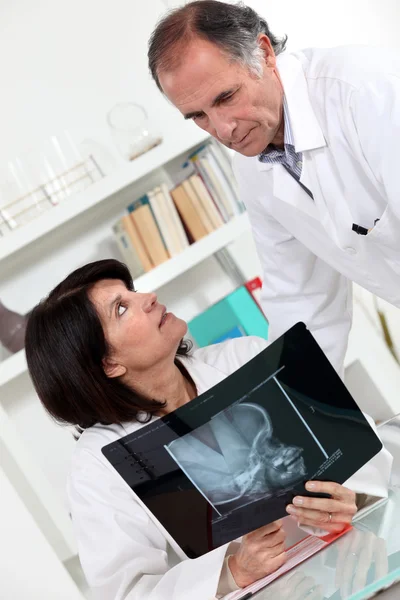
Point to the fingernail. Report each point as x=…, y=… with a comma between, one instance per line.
x=298, y=500
x=291, y=509
x=310, y=485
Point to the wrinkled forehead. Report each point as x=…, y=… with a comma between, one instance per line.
x=203, y=72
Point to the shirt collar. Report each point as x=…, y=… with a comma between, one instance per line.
x=271, y=152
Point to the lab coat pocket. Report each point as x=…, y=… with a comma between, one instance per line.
x=384, y=240
x=386, y=231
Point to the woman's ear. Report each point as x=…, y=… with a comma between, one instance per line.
x=112, y=369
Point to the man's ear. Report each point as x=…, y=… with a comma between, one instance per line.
x=113, y=369
x=267, y=49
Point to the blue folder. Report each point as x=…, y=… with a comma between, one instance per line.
x=235, y=315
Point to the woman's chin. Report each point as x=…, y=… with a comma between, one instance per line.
x=178, y=328
x=183, y=326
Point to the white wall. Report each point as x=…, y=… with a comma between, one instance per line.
x=64, y=64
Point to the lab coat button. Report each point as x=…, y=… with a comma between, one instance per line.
x=351, y=250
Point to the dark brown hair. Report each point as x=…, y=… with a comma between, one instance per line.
x=235, y=28
x=65, y=347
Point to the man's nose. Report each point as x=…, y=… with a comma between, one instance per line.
x=224, y=127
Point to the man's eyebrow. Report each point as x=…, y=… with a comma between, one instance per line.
x=192, y=114
x=216, y=101
x=113, y=303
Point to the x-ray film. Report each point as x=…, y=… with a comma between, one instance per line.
x=231, y=460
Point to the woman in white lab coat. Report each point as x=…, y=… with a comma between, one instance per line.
x=108, y=359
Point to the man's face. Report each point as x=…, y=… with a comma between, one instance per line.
x=242, y=111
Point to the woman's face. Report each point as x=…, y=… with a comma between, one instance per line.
x=139, y=330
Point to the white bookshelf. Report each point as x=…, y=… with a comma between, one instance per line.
x=98, y=192
x=15, y=365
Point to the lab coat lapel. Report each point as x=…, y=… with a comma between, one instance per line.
x=307, y=135
x=334, y=216
x=287, y=189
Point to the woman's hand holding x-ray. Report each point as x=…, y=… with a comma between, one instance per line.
x=331, y=514
x=260, y=553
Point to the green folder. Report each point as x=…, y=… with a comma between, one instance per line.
x=236, y=310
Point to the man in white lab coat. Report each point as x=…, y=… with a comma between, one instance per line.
x=317, y=140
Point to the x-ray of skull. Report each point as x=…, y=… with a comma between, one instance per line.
x=234, y=459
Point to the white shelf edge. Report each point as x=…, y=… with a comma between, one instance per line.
x=12, y=367
x=94, y=194
x=16, y=365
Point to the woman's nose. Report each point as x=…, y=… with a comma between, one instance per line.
x=149, y=301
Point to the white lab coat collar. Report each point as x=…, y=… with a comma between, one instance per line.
x=307, y=133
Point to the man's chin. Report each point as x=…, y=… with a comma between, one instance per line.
x=253, y=148
x=249, y=152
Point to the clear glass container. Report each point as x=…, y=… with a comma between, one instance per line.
x=21, y=200
x=59, y=168
x=43, y=177
x=131, y=130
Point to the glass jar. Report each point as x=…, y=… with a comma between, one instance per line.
x=131, y=131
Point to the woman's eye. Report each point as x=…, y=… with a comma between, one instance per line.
x=121, y=309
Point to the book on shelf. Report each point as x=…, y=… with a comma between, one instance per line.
x=176, y=223
x=127, y=248
x=188, y=214
x=202, y=214
x=149, y=233
x=162, y=223
x=206, y=200
x=149, y=200
x=216, y=172
x=137, y=242
x=223, y=161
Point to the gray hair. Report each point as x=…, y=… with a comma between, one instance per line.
x=234, y=28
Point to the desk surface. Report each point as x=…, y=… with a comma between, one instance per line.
x=353, y=566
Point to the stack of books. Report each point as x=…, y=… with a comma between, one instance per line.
x=163, y=222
